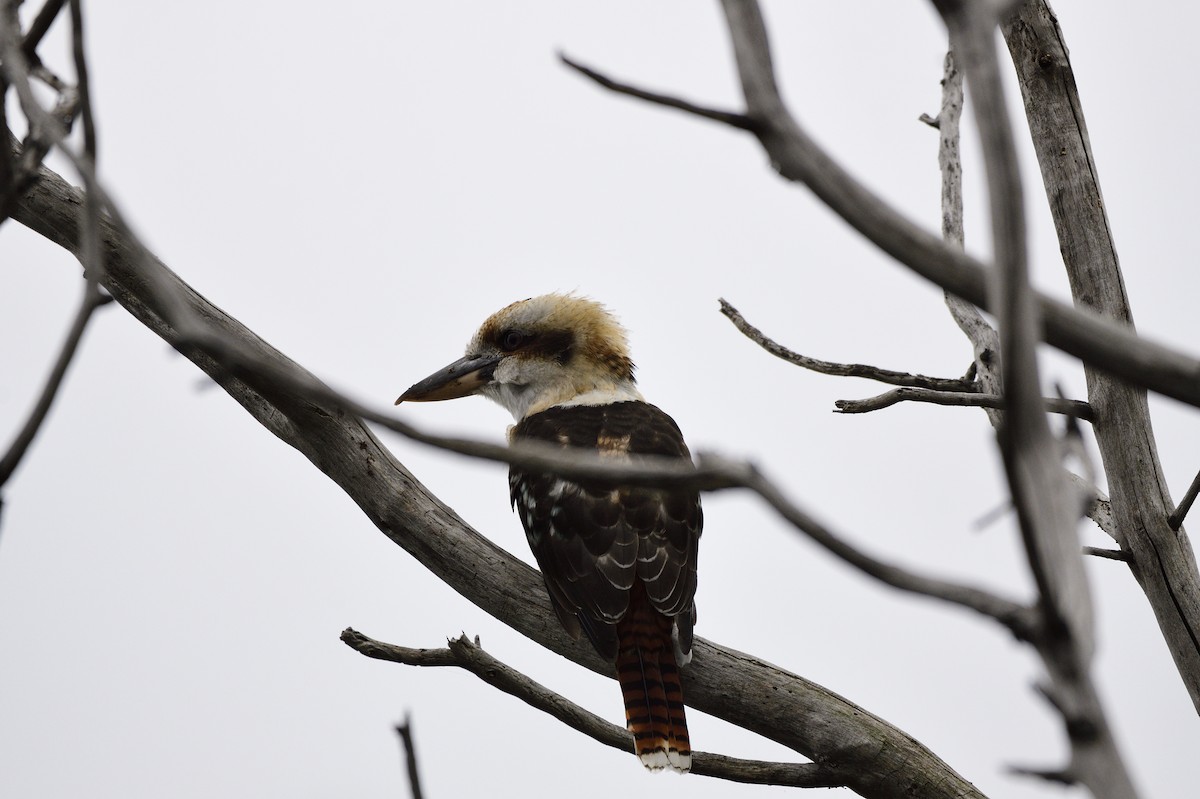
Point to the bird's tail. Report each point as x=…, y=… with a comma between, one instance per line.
x=649, y=678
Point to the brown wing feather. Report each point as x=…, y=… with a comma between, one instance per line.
x=591, y=541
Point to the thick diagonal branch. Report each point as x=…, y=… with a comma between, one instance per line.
x=886, y=762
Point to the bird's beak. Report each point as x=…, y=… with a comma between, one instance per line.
x=460, y=379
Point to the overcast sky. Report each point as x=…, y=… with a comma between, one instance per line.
x=362, y=184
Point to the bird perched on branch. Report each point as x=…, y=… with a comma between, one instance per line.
x=619, y=562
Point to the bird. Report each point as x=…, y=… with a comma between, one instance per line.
x=619, y=563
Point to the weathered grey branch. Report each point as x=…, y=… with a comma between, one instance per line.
x=728, y=117
x=38, y=28
x=797, y=157
x=957, y=399
x=1175, y=520
x=468, y=655
x=93, y=298
x=985, y=343
x=886, y=762
x=1162, y=559
x=404, y=731
x=1042, y=493
x=1110, y=554
x=841, y=369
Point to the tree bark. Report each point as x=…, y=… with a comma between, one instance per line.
x=870, y=756
x=1161, y=559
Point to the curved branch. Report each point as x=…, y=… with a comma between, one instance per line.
x=468, y=655
x=842, y=369
x=740, y=121
x=1075, y=408
x=797, y=157
x=93, y=298
x=885, y=762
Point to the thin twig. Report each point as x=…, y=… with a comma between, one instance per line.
x=82, y=83
x=469, y=656
x=93, y=298
x=1175, y=520
x=45, y=126
x=1110, y=554
x=1073, y=408
x=841, y=369
x=410, y=756
x=734, y=119
x=38, y=28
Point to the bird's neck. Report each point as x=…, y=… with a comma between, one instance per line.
x=523, y=401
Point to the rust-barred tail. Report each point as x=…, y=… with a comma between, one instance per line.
x=649, y=678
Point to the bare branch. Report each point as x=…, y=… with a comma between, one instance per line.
x=1060, y=776
x=38, y=28
x=881, y=761
x=410, y=755
x=471, y=657
x=1073, y=408
x=1040, y=488
x=797, y=157
x=83, y=84
x=711, y=473
x=1175, y=520
x=740, y=121
x=841, y=369
x=49, y=129
x=1110, y=554
x=1165, y=564
x=985, y=342
x=93, y=298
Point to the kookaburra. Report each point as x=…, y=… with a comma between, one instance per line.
x=619, y=563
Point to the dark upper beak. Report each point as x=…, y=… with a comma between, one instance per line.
x=460, y=379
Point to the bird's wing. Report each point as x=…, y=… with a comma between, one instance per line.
x=592, y=541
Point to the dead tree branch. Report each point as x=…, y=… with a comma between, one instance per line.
x=404, y=731
x=39, y=27
x=985, y=342
x=1162, y=561
x=886, y=762
x=797, y=157
x=469, y=656
x=841, y=369
x=92, y=299
x=957, y=399
x=1042, y=494
x=1175, y=520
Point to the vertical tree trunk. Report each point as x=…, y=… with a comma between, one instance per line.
x=1162, y=559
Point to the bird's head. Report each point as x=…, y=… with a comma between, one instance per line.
x=545, y=351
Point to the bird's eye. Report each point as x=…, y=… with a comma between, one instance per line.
x=511, y=340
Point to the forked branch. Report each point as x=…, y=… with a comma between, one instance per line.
x=470, y=656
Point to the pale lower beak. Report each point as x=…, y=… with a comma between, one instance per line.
x=460, y=379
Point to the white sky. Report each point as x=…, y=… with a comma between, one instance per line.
x=361, y=184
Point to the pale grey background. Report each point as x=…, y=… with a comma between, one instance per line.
x=361, y=184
